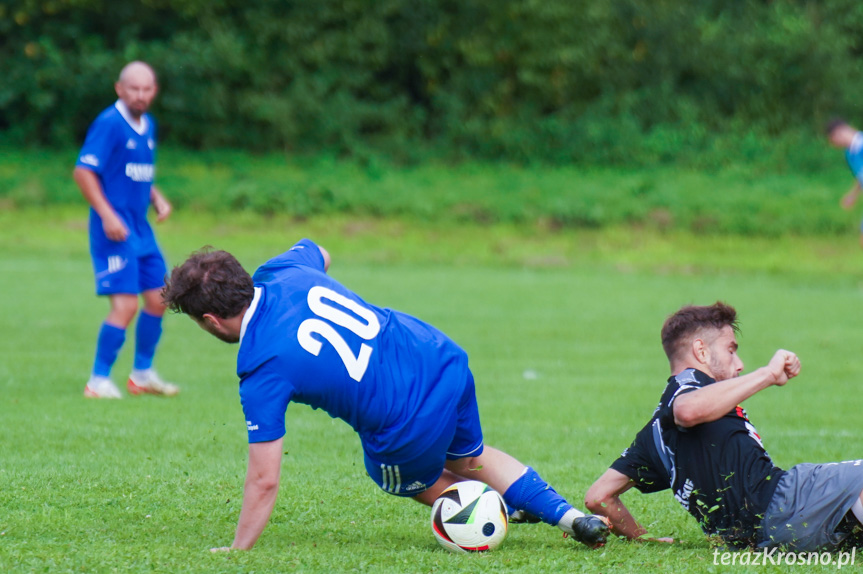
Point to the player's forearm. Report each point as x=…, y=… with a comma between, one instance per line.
x=156, y=194
x=91, y=189
x=714, y=401
x=603, y=499
x=326, y=255
x=160, y=204
x=258, y=501
x=622, y=522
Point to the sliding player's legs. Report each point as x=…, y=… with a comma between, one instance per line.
x=814, y=506
x=521, y=486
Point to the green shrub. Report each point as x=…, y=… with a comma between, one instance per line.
x=560, y=81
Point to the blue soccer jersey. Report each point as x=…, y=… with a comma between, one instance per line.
x=854, y=156
x=308, y=339
x=122, y=156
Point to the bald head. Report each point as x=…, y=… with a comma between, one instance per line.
x=841, y=135
x=137, y=70
x=137, y=87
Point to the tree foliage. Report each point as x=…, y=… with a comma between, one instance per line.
x=553, y=80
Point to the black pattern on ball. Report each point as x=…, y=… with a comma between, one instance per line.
x=488, y=528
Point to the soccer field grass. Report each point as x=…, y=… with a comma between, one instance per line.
x=564, y=344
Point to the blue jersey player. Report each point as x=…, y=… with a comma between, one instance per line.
x=402, y=385
x=115, y=174
x=845, y=137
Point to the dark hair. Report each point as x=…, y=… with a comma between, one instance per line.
x=833, y=124
x=209, y=282
x=691, y=319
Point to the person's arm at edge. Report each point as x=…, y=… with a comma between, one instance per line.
x=603, y=499
x=160, y=204
x=850, y=197
x=259, y=492
x=714, y=401
x=91, y=189
x=326, y=255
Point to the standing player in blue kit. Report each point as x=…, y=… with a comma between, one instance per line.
x=843, y=136
x=115, y=174
x=402, y=385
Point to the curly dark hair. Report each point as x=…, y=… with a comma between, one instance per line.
x=209, y=282
x=690, y=319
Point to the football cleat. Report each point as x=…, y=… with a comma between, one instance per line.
x=590, y=530
x=101, y=388
x=149, y=382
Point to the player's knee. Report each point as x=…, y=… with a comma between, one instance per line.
x=153, y=303
x=154, y=309
x=123, y=311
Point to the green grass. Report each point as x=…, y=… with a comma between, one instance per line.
x=149, y=485
x=742, y=200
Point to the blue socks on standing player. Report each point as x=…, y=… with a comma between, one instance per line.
x=108, y=345
x=534, y=495
x=148, y=331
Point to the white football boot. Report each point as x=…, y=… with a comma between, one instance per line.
x=101, y=388
x=149, y=382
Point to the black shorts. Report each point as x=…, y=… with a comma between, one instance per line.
x=809, y=503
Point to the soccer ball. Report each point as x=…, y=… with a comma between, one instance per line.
x=469, y=516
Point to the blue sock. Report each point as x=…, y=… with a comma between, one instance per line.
x=531, y=493
x=108, y=344
x=147, y=334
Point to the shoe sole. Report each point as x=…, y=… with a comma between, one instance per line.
x=90, y=394
x=137, y=390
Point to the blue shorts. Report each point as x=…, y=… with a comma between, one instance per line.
x=460, y=436
x=119, y=269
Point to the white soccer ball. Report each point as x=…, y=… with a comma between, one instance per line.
x=469, y=516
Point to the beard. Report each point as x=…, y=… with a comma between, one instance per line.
x=226, y=337
x=137, y=110
x=220, y=335
x=231, y=339
x=721, y=372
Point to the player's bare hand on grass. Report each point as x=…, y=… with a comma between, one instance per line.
x=220, y=549
x=663, y=540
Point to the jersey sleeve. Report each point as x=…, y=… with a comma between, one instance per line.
x=854, y=156
x=685, y=382
x=641, y=463
x=305, y=252
x=98, y=147
x=265, y=395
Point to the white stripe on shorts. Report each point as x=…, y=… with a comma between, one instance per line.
x=391, y=478
x=466, y=454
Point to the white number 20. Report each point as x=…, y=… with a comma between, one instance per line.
x=367, y=329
